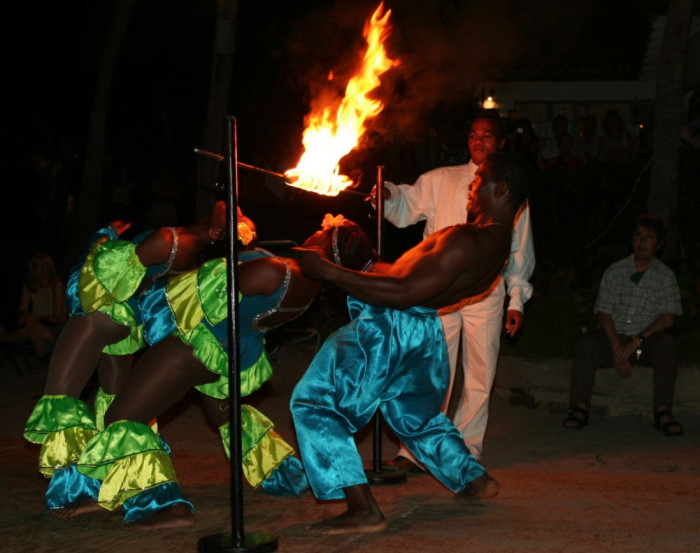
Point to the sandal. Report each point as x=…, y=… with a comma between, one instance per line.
x=577, y=419
x=671, y=427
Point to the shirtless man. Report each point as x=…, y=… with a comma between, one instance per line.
x=392, y=355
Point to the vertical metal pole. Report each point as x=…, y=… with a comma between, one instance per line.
x=378, y=475
x=378, y=461
x=236, y=541
x=233, y=336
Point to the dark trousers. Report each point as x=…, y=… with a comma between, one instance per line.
x=593, y=351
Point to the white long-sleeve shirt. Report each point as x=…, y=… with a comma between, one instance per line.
x=439, y=197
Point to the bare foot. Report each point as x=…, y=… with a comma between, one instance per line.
x=177, y=516
x=483, y=487
x=348, y=523
x=80, y=508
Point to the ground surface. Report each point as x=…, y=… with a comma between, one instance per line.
x=618, y=485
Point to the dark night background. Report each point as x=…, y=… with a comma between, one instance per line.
x=284, y=50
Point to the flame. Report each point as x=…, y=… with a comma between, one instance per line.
x=328, y=136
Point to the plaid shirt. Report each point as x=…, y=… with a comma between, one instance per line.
x=635, y=306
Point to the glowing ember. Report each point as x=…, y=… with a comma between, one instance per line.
x=328, y=138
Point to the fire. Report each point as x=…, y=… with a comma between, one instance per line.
x=329, y=136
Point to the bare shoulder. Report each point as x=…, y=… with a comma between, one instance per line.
x=261, y=276
x=458, y=236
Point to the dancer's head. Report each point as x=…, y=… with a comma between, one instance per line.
x=41, y=271
x=216, y=221
x=344, y=242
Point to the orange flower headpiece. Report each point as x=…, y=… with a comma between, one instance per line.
x=245, y=234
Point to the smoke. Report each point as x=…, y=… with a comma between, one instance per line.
x=447, y=50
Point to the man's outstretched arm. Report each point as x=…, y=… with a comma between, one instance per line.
x=416, y=279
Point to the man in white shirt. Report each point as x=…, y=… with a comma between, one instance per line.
x=438, y=197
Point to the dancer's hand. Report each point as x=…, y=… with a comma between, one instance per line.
x=311, y=260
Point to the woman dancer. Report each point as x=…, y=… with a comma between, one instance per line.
x=106, y=328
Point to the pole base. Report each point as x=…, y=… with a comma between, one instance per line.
x=385, y=477
x=224, y=543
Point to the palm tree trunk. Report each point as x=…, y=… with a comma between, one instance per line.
x=89, y=204
x=663, y=188
x=217, y=110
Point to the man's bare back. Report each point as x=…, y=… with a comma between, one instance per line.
x=451, y=264
x=460, y=261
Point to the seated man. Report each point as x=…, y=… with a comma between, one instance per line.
x=392, y=355
x=637, y=302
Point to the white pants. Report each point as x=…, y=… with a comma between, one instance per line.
x=478, y=328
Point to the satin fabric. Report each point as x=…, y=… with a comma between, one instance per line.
x=102, y=402
x=107, y=278
x=267, y=459
x=130, y=460
x=72, y=299
x=387, y=359
x=63, y=426
x=68, y=486
x=198, y=304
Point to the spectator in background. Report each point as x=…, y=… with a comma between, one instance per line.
x=586, y=147
x=524, y=141
x=637, y=303
x=550, y=147
x=616, y=144
x=42, y=306
x=565, y=159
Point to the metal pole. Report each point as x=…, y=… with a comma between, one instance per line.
x=233, y=336
x=237, y=540
x=378, y=475
x=378, y=461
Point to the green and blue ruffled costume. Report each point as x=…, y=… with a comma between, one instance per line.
x=128, y=465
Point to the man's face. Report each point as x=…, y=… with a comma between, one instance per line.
x=483, y=139
x=645, y=243
x=479, y=191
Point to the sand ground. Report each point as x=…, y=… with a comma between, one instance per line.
x=618, y=485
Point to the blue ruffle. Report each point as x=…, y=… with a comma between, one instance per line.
x=287, y=480
x=149, y=502
x=68, y=486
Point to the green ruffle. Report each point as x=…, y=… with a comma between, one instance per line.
x=199, y=295
x=181, y=294
x=263, y=449
x=102, y=402
x=119, y=440
x=55, y=413
x=133, y=475
x=63, y=448
x=210, y=352
x=128, y=458
x=63, y=425
x=112, y=272
x=212, y=287
x=122, y=313
x=110, y=275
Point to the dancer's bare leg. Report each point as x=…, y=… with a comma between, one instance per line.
x=78, y=350
x=362, y=515
x=160, y=378
x=164, y=374
x=113, y=371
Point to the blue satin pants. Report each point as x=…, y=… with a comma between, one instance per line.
x=387, y=359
